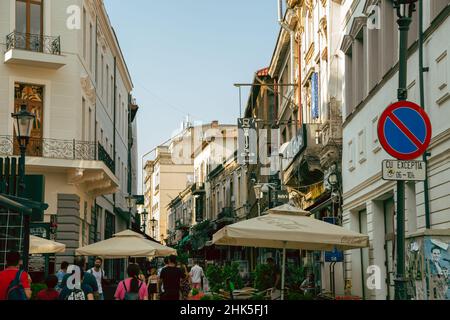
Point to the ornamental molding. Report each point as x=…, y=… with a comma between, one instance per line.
x=88, y=89
x=357, y=24
x=346, y=43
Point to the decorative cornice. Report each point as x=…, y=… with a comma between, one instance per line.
x=309, y=54
x=346, y=43
x=357, y=24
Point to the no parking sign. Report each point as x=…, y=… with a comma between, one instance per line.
x=404, y=130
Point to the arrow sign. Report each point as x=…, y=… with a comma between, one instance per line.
x=404, y=130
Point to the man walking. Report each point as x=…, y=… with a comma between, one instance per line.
x=61, y=273
x=99, y=274
x=197, y=275
x=14, y=283
x=170, y=278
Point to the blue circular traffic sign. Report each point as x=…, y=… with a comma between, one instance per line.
x=404, y=130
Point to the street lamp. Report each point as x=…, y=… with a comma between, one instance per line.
x=144, y=215
x=131, y=203
x=23, y=124
x=153, y=221
x=405, y=9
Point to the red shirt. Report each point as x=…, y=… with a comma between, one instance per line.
x=48, y=295
x=7, y=276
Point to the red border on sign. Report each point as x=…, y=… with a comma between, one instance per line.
x=382, y=137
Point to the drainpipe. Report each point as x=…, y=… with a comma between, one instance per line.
x=422, y=103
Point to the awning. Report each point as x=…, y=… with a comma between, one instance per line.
x=126, y=244
x=287, y=229
x=43, y=246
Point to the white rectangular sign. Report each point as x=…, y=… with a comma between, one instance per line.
x=404, y=170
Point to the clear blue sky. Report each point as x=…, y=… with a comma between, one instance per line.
x=185, y=55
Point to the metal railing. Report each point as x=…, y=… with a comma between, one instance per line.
x=33, y=42
x=104, y=156
x=50, y=148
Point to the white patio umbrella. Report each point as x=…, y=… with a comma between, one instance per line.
x=43, y=246
x=124, y=245
x=287, y=227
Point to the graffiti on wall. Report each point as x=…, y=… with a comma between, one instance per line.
x=437, y=261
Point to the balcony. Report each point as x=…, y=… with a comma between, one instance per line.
x=301, y=157
x=34, y=50
x=104, y=156
x=198, y=188
x=226, y=216
x=76, y=159
x=50, y=148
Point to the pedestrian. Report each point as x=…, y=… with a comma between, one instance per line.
x=61, y=273
x=85, y=290
x=153, y=284
x=166, y=262
x=197, y=276
x=15, y=284
x=186, y=285
x=170, y=278
x=49, y=294
x=132, y=288
x=99, y=274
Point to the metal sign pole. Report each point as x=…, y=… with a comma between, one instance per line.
x=404, y=22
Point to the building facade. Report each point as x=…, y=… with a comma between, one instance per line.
x=371, y=82
x=69, y=71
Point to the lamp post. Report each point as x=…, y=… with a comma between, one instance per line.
x=131, y=203
x=144, y=215
x=153, y=221
x=405, y=9
x=23, y=124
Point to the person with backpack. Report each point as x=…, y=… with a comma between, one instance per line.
x=132, y=288
x=14, y=283
x=84, y=290
x=99, y=273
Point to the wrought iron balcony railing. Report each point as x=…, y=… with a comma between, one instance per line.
x=50, y=148
x=33, y=42
x=104, y=156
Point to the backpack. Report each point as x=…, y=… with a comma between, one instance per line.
x=76, y=295
x=15, y=289
x=131, y=295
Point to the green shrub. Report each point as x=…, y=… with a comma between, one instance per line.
x=218, y=276
x=263, y=279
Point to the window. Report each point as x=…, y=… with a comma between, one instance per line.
x=107, y=87
x=359, y=69
x=102, y=74
x=348, y=83
x=91, y=47
x=83, y=119
x=362, y=146
x=29, y=22
x=84, y=34
x=351, y=156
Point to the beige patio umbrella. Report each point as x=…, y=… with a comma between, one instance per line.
x=124, y=245
x=287, y=227
x=43, y=246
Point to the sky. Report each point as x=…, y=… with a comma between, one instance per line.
x=185, y=55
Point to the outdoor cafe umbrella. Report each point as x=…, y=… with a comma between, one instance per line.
x=124, y=245
x=287, y=227
x=43, y=246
